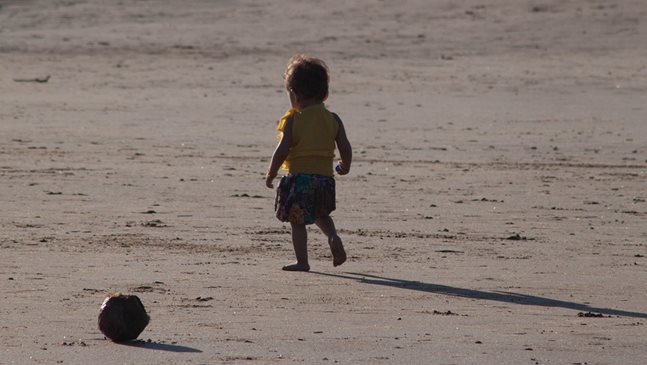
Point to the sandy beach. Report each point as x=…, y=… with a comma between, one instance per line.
x=495, y=213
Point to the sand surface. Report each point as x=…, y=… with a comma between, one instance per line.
x=495, y=213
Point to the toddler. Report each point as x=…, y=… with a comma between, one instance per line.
x=308, y=133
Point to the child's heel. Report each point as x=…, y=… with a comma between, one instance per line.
x=337, y=250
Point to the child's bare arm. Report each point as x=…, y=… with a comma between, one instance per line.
x=344, y=147
x=280, y=154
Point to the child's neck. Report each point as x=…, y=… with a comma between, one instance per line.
x=307, y=103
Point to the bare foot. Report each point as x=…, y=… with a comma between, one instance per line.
x=338, y=252
x=297, y=267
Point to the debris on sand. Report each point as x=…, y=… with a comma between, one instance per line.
x=517, y=237
x=40, y=80
x=592, y=315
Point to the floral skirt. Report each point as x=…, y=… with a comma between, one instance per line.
x=303, y=198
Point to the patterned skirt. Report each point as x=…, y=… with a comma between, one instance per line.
x=303, y=198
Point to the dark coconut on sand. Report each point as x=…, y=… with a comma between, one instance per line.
x=122, y=317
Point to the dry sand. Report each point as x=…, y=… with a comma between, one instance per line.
x=495, y=213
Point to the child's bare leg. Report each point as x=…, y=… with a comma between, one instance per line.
x=300, y=243
x=327, y=226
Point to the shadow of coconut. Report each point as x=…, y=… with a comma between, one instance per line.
x=161, y=346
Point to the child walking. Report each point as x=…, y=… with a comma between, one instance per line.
x=308, y=134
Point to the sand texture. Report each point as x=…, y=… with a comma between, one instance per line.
x=495, y=214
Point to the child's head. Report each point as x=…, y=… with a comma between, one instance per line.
x=307, y=78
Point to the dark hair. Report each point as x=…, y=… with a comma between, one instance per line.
x=307, y=77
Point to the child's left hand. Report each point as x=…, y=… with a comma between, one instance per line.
x=342, y=169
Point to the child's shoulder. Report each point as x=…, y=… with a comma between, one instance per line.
x=335, y=117
x=286, y=119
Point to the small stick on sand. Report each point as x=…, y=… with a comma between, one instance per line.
x=36, y=79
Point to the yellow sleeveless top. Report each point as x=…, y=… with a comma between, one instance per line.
x=314, y=130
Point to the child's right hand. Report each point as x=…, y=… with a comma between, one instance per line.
x=269, y=181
